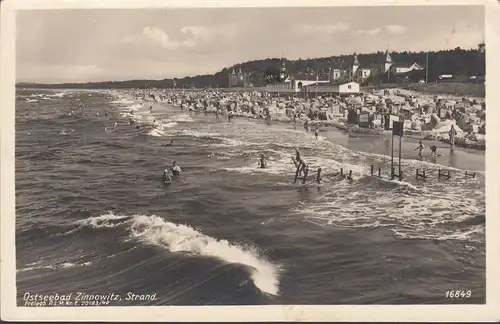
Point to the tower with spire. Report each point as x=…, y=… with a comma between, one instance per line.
x=355, y=66
x=386, y=65
x=237, y=79
x=283, y=72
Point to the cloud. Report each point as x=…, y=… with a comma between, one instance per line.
x=188, y=36
x=395, y=29
x=322, y=29
x=208, y=34
x=370, y=32
x=157, y=37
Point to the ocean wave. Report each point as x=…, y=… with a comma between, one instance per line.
x=182, y=238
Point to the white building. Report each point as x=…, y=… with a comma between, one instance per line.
x=334, y=88
x=294, y=84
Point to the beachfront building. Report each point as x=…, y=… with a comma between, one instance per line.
x=335, y=87
x=400, y=72
x=294, y=83
x=238, y=79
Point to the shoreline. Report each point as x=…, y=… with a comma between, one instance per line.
x=460, y=158
x=355, y=129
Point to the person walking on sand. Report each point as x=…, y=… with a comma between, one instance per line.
x=452, y=134
x=420, y=148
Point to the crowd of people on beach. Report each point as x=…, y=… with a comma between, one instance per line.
x=262, y=106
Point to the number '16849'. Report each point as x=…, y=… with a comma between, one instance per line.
x=458, y=294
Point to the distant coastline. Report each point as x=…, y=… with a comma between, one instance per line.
x=457, y=89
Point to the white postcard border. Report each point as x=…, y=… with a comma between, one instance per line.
x=346, y=313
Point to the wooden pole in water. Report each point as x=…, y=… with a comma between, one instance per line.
x=400, y=140
x=392, y=156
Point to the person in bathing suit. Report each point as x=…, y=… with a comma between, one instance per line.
x=316, y=133
x=452, y=134
x=420, y=148
x=166, y=176
x=169, y=144
x=262, y=161
x=176, y=170
x=433, y=151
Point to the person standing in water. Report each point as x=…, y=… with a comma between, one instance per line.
x=452, y=134
x=262, y=162
x=316, y=132
x=420, y=148
x=150, y=109
x=176, y=170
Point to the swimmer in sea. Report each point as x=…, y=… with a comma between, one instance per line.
x=262, y=162
x=169, y=144
x=433, y=151
x=166, y=176
x=420, y=148
x=114, y=125
x=176, y=170
x=297, y=155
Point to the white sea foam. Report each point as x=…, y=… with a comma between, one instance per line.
x=157, y=132
x=108, y=220
x=123, y=101
x=182, y=238
x=63, y=265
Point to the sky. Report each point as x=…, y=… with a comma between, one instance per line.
x=83, y=45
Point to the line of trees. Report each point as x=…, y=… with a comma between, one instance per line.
x=456, y=62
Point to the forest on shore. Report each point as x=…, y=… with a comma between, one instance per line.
x=457, y=62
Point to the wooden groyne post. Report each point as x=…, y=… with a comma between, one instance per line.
x=318, y=176
x=379, y=170
x=420, y=175
x=470, y=174
x=398, y=175
x=442, y=174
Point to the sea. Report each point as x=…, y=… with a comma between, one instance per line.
x=94, y=215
